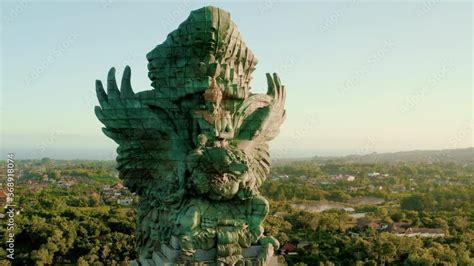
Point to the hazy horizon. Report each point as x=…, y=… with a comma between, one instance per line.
x=361, y=77
x=110, y=154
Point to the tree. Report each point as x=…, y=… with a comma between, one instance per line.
x=459, y=223
x=418, y=202
x=42, y=256
x=277, y=226
x=441, y=223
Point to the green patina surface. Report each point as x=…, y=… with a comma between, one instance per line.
x=194, y=148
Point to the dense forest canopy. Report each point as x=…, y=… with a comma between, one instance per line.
x=331, y=212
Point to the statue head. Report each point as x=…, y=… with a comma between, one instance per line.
x=206, y=45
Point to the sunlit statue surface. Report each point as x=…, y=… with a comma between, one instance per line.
x=194, y=148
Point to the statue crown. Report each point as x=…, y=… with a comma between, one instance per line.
x=213, y=93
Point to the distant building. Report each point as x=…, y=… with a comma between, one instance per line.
x=398, y=228
x=365, y=223
x=287, y=248
x=399, y=189
x=373, y=174
x=280, y=214
x=64, y=184
x=350, y=178
x=405, y=229
x=424, y=232
x=306, y=245
x=339, y=177
x=282, y=177
x=358, y=215
x=118, y=186
x=355, y=189
x=126, y=201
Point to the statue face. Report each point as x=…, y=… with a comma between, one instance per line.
x=208, y=37
x=220, y=172
x=211, y=107
x=224, y=186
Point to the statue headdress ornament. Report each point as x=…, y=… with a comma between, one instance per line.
x=213, y=93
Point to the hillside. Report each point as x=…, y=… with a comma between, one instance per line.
x=417, y=156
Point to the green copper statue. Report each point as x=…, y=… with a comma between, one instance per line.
x=194, y=148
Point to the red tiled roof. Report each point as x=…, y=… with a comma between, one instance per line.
x=288, y=247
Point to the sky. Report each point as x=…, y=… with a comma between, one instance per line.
x=360, y=76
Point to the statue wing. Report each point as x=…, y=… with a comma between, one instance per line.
x=143, y=131
x=258, y=121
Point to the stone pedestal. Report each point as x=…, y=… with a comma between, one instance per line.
x=168, y=256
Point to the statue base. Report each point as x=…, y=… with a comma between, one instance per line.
x=167, y=256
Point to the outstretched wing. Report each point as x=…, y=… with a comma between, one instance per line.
x=143, y=131
x=257, y=121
